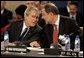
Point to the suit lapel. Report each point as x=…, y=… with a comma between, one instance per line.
x=49, y=32
x=30, y=33
x=78, y=19
x=19, y=29
x=61, y=25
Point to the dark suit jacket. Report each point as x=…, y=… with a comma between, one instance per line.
x=66, y=26
x=15, y=31
x=41, y=21
x=79, y=17
x=7, y=15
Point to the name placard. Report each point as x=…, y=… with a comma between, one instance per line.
x=70, y=53
x=16, y=49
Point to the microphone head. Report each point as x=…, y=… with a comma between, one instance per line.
x=56, y=46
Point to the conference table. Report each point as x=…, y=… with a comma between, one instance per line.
x=28, y=54
x=34, y=52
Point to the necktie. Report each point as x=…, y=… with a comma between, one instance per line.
x=72, y=17
x=55, y=34
x=23, y=34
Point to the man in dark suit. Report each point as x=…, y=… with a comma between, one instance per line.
x=31, y=36
x=77, y=17
x=71, y=10
x=65, y=10
x=73, y=13
x=65, y=25
x=6, y=14
x=73, y=6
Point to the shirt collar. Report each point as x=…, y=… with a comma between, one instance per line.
x=24, y=26
x=73, y=15
x=68, y=8
x=57, y=21
x=2, y=11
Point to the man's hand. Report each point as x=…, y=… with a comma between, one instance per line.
x=34, y=44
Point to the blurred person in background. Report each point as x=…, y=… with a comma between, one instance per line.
x=29, y=4
x=41, y=21
x=20, y=12
x=6, y=15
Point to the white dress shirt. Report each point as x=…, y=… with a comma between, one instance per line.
x=23, y=28
x=74, y=16
x=57, y=22
x=68, y=9
x=2, y=11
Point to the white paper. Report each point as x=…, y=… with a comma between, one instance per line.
x=35, y=49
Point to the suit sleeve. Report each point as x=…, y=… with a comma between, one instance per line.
x=33, y=36
x=75, y=27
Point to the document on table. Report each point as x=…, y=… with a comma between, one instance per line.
x=35, y=49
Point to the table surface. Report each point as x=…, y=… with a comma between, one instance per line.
x=29, y=54
x=35, y=52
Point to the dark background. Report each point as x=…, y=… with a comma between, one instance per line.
x=61, y=4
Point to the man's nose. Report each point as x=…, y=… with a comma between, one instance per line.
x=35, y=20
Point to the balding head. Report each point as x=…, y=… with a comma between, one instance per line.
x=50, y=13
x=50, y=7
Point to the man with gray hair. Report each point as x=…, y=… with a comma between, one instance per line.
x=26, y=31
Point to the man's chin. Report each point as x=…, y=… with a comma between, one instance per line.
x=33, y=25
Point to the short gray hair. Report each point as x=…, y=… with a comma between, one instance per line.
x=27, y=11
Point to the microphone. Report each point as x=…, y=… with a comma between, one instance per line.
x=55, y=49
x=56, y=46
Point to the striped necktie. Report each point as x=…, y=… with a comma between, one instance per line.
x=23, y=34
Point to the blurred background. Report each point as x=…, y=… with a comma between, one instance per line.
x=11, y=5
